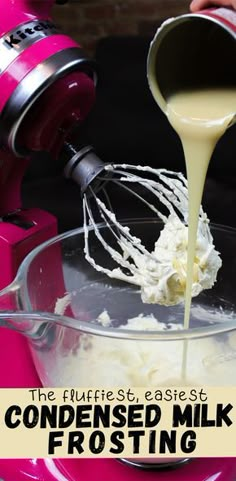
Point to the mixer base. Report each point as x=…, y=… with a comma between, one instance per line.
x=153, y=466
x=207, y=469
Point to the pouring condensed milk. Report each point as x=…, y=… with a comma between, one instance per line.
x=200, y=117
x=196, y=89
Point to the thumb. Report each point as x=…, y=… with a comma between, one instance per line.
x=200, y=4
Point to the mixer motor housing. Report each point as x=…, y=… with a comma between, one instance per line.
x=47, y=87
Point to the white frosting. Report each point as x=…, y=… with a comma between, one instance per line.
x=62, y=303
x=107, y=362
x=165, y=284
x=104, y=319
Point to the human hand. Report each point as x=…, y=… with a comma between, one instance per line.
x=197, y=5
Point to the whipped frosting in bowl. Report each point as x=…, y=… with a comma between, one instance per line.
x=115, y=339
x=115, y=356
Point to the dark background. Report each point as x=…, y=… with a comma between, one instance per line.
x=126, y=125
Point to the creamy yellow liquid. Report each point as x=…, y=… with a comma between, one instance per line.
x=200, y=118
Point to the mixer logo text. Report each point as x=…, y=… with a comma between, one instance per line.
x=28, y=32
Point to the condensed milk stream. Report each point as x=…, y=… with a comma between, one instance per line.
x=200, y=118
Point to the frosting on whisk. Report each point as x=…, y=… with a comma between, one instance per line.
x=160, y=273
x=166, y=285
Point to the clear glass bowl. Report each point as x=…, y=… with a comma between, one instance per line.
x=75, y=347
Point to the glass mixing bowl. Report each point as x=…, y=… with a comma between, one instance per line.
x=75, y=319
x=87, y=330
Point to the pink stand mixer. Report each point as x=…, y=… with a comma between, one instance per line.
x=47, y=89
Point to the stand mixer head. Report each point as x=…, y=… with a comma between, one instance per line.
x=47, y=85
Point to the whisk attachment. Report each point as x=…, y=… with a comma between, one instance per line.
x=160, y=272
